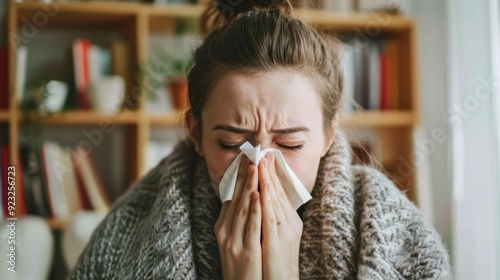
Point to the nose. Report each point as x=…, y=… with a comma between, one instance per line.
x=264, y=143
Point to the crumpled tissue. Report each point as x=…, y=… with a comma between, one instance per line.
x=295, y=190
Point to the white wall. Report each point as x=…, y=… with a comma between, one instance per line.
x=474, y=145
x=457, y=89
x=430, y=19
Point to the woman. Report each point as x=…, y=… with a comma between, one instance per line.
x=265, y=77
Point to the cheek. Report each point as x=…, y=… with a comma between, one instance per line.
x=217, y=163
x=305, y=166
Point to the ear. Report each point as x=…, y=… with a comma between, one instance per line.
x=330, y=138
x=193, y=128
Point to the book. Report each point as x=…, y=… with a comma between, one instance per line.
x=25, y=153
x=55, y=185
x=69, y=181
x=361, y=76
x=81, y=71
x=88, y=176
x=40, y=191
x=47, y=179
x=374, y=76
x=21, y=66
x=384, y=80
x=346, y=54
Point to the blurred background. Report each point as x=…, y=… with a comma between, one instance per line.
x=92, y=95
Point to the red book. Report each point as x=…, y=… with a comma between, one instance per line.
x=93, y=186
x=384, y=80
x=5, y=184
x=81, y=71
x=20, y=194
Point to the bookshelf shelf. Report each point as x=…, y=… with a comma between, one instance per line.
x=86, y=118
x=357, y=119
x=378, y=119
x=173, y=118
x=56, y=224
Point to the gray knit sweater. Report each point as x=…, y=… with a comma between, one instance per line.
x=357, y=226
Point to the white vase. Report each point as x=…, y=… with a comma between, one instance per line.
x=106, y=94
x=34, y=248
x=77, y=234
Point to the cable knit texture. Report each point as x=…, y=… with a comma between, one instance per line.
x=357, y=226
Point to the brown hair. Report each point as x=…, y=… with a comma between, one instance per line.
x=256, y=36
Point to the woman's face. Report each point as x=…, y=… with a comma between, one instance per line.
x=278, y=109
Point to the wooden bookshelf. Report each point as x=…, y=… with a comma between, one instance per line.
x=138, y=20
x=4, y=116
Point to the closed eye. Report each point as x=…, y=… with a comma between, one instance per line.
x=290, y=148
x=229, y=147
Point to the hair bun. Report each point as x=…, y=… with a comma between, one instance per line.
x=220, y=12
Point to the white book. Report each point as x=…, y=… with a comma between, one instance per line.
x=346, y=54
x=68, y=179
x=54, y=184
x=21, y=67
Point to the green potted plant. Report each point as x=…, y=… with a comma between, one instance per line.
x=166, y=70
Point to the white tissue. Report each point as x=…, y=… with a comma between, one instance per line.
x=295, y=190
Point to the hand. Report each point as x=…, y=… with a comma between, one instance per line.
x=238, y=228
x=281, y=226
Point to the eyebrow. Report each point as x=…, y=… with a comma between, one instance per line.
x=278, y=131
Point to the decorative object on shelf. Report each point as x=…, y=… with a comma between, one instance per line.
x=107, y=94
x=46, y=98
x=179, y=92
x=56, y=93
x=165, y=70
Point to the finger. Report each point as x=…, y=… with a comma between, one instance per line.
x=253, y=230
x=242, y=211
x=240, y=182
x=276, y=184
x=222, y=213
x=269, y=227
x=278, y=190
